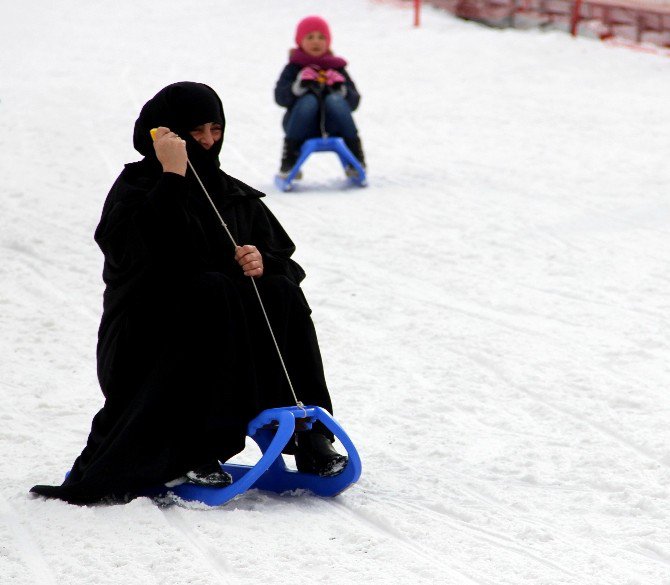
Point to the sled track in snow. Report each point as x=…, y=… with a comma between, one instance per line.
x=431, y=558
x=39, y=281
x=28, y=549
x=50, y=289
x=219, y=568
x=498, y=540
x=490, y=537
x=653, y=552
x=599, y=427
x=596, y=303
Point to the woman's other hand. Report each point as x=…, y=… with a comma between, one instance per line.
x=250, y=259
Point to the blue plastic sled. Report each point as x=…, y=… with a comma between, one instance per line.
x=331, y=144
x=271, y=430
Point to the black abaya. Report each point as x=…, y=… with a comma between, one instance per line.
x=185, y=359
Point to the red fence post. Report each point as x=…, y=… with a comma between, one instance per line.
x=417, y=12
x=574, y=19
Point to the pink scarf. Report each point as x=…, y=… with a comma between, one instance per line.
x=326, y=61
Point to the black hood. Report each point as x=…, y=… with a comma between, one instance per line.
x=181, y=107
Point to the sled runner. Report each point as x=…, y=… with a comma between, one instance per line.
x=350, y=163
x=271, y=430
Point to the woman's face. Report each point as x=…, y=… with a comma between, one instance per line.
x=207, y=134
x=314, y=44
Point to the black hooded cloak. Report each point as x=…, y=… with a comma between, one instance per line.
x=185, y=359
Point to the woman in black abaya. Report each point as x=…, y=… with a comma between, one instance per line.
x=185, y=359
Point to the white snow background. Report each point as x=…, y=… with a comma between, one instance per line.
x=493, y=309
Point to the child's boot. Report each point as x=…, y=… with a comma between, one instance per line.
x=356, y=148
x=289, y=157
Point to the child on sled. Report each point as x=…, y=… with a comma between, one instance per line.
x=315, y=78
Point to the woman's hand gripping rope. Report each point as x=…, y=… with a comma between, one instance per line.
x=250, y=259
x=247, y=256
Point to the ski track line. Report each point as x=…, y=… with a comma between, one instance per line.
x=498, y=540
x=491, y=505
x=599, y=242
x=602, y=429
x=486, y=500
x=32, y=218
x=489, y=502
x=419, y=551
x=29, y=549
x=129, y=89
x=497, y=318
x=45, y=234
x=492, y=537
x=570, y=414
x=54, y=290
x=112, y=172
x=650, y=552
x=588, y=301
x=616, y=216
x=246, y=161
x=634, y=311
x=35, y=223
x=217, y=565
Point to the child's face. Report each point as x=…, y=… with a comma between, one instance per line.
x=314, y=44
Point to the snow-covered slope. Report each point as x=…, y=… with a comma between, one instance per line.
x=493, y=309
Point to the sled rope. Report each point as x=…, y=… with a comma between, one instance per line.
x=322, y=111
x=258, y=295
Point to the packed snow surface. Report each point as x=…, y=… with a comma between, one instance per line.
x=493, y=309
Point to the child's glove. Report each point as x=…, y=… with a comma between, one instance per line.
x=334, y=78
x=308, y=74
x=307, y=77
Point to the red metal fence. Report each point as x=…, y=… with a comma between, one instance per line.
x=640, y=21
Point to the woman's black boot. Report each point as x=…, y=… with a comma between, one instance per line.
x=315, y=454
x=210, y=475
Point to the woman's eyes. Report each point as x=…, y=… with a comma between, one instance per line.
x=201, y=130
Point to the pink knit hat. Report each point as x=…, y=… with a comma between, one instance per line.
x=310, y=24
